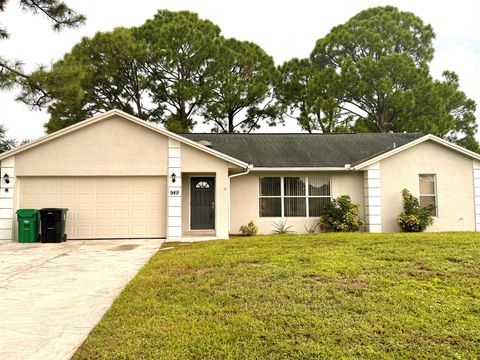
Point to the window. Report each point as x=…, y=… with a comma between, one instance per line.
x=270, y=197
x=202, y=185
x=428, y=191
x=293, y=196
x=294, y=202
x=318, y=194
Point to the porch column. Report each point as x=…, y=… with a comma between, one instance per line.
x=174, y=190
x=373, y=213
x=222, y=198
x=476, y=193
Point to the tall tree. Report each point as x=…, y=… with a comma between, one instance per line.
x=171, y=70
x=181, y=49
x=382, y=57
x=380, y=53
x=98, y=74
x=61, y=16
x=241, y=85
x=159, y=72
x=441, y=108
x=312, y=96
x=460, y=112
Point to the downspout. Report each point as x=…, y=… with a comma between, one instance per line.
x=245, y=172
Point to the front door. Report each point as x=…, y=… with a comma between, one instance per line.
x=202, y=203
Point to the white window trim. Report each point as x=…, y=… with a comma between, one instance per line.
x=435, y=189
x=295, y=197
x=318, y=196
x=271, y=196
x=282, y=196
x=307, y=195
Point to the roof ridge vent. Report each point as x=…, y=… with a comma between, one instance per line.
x=205, y=143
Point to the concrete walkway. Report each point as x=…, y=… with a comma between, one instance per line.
x=51, y=295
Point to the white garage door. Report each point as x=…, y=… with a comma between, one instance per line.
x=102, y=207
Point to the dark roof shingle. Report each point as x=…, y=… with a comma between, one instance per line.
x=303, y=150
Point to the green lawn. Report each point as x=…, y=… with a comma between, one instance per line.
x=300, y=296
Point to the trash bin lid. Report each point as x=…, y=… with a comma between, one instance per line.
x=53, y=209
x=26, y=212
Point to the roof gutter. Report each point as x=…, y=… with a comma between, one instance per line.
x=281, y=169
x=245, y=172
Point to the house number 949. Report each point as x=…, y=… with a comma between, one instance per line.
x=174, y=192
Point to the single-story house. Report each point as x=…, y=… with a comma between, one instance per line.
x=121, y=177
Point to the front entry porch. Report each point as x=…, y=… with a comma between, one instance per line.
x=199, y=206
x=198, y=194
x=196, y=197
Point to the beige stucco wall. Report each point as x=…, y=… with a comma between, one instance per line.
x=114, y=146
x=197, y=163
x=245, y=199
x=118, y=147
x=454, y=185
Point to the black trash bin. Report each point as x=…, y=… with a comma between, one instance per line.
x=52, y=225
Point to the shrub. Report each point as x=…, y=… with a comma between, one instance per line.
x=249, y=230
x=282, y=228
x=414, y=218
x=312, y=228
x=341, y=214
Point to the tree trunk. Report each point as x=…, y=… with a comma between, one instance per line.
x=183, y=118
x=231, y=127
x=381, y=123
x=319, y=121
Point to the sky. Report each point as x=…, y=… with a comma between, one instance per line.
x=283, y=28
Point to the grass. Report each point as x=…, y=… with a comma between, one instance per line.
x=300, y=296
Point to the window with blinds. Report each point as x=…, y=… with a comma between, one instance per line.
x=428, y=191
x=318, y=194
x=293, y=196
x=294, y=200
x=270, y=197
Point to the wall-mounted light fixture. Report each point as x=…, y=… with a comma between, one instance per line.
x=174, y=177
x=6, y=178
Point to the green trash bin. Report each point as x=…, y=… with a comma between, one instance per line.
x=27, y=225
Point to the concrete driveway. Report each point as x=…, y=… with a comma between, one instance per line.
x=51, y=295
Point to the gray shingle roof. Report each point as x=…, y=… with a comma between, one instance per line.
x=303, y=150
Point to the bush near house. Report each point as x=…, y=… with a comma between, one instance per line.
x=341, y=215
x=281, y=228
x=312, y=228
x=414, y=218
x=249, y=230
